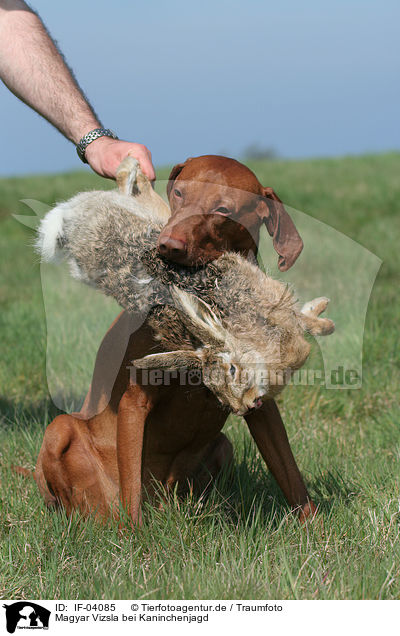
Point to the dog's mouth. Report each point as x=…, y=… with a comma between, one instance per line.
x=198, y=259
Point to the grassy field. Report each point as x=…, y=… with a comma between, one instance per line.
x=242, y=542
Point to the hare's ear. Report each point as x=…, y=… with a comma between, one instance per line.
x=170, y=360
x=198, y=317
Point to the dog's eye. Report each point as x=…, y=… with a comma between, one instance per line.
x=177, y=193
x=223, y=211
x=232, y=370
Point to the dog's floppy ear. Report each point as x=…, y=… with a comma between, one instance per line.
x=285, y=237
x=174, y=173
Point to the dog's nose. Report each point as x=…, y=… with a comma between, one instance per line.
x=172, y=248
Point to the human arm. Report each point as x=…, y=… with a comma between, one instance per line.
x=34, y=70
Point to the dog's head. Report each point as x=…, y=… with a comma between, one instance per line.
x=218, y=204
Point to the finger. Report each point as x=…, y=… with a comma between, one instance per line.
x=144, y=159
x=148, y=169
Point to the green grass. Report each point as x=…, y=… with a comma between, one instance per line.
x=241, y=542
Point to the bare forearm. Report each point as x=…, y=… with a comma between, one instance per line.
x=38, y=74
x=34, y=70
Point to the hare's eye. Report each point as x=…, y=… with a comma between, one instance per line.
x=232, y=370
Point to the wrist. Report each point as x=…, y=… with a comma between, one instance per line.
x=84, y=130
x=90, y=138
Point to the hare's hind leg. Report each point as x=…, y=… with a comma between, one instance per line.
x=126, y=176
x=133, y=182
x=310, y=320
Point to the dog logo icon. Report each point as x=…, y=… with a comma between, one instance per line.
x=194, y=377
x=26, y=615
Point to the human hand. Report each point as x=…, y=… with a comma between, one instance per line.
x=105, y=154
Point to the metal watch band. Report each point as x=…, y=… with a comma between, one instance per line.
x=91, y=136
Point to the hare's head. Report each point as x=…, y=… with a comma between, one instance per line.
x=231, y=369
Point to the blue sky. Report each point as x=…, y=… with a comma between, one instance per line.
x=307, y=78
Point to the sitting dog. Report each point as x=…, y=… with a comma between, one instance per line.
x=143, y=433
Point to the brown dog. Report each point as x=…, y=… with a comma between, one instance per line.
x=124, y=442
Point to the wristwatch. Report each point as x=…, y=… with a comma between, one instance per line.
x=91, y=136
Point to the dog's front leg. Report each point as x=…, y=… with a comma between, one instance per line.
x=134, y=407
x=268, y=431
